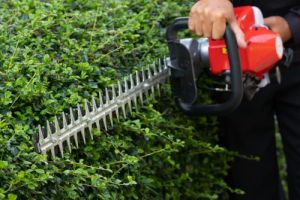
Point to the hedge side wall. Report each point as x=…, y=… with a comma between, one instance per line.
x=55, y=53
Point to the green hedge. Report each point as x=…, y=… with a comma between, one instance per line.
x=55, y=53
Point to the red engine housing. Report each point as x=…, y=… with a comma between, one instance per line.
x=264, y=47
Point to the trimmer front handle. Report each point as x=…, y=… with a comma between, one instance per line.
x=184, y=73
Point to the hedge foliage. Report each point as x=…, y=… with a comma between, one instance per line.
x=55, y=53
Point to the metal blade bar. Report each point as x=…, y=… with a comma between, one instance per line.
x=92, y=114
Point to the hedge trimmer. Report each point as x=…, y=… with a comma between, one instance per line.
x=244, y=71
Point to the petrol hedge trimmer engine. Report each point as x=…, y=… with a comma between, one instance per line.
x=246, y=68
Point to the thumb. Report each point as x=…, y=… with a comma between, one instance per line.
x=269, y=21
x=239, y=34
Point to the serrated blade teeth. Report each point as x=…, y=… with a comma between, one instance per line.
x=141, y=98
x=135, y=102
x=94, y=104
x=158, y=89
x=149, y=73
x=91, y=131
x=98, y=127
x=82, y=131
x=57, y=127
x=106, y=96
x=76, y=140
x=119, y=88
x=117, y=114
x=123, y=110
x=105, y=123
x=111, y=118
x=53, y=152
x=155, y=70
x=137, y=78
x=126, y=85
x=101, y=99
x=72, y=116
x=69, y=144
x=41, y=135
x=130, y=106
x=79, y=113
x=49, y=132
x=122, y=97
x=61, y=149
x=160, y=67
x=143, y=75
x=113, y=89
x=86, y=108
x=131, y=81
x=65, y=123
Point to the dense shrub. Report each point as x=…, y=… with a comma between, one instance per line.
x=54, y=54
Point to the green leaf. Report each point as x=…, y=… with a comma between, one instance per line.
x=3, y=164
x=12, y=197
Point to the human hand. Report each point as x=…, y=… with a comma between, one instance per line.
x=208, y=18
x=279, y=25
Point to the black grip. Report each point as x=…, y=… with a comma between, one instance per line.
x=236, y=94
x=178, y=25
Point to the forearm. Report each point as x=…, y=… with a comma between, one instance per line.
x=293, y=19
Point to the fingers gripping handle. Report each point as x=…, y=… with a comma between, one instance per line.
x=236, y=95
